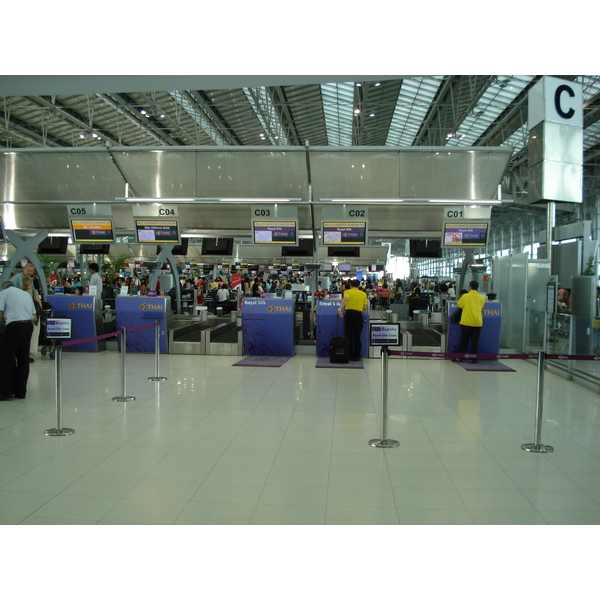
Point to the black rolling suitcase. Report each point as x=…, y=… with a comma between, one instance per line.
x=339, y=350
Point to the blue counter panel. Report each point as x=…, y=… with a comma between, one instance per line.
x=489, y=340
x=330, y=325
x=268, y=326
x=82, y=311
x=137, y=311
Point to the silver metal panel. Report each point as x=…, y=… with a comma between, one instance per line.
x=552, y=141
x=501, y=281
x=355, y=174
x=65, y=176
x=566, y=262
x=515, y=307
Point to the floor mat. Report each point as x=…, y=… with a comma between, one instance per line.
x=484, y=365
x=262, y=361
x=323, y=362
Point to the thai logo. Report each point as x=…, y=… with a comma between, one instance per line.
x=273, y=309
x=151, y=307
x=75, y=305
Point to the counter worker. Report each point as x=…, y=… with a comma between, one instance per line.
x=17, y=316
x=95, y=279
x=354, y=303
x=471, y=321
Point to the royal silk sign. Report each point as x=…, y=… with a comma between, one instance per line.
x=555, y=120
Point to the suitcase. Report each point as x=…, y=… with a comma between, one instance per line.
x=339, y=350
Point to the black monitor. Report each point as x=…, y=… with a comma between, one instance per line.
x=425, y=249
x=94, y=248
x=304, y=248
x=217, y=246
x=53, y=245
x=344, y=251
x=178, y=249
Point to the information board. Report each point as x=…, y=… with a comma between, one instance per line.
x=457, y=234
x=384, y=334
x=275, y=232
x=58, y=329
x=338, y=233
x=92, y=231
x=162, y=231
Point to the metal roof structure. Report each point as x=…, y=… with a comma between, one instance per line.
x=176, y=113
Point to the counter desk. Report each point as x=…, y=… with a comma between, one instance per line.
x=137, y=311
x=330, y=325
x=86, y=315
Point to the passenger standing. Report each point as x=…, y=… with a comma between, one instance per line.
x=354, y=303
x=17, y=316
x=471, y=320
x=95, y=279
x=27, y=286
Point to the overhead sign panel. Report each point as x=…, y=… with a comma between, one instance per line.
x=337, y=233
x=460, y=234
x=275, y=232
x=92, y=231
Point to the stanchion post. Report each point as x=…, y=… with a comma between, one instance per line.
x=59, y=429
x=384, y=442
x=537, y=446
x=123, y=397
x=157, y=354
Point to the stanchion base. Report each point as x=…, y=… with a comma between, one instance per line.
x=157, y=378
x=63, y=431
x=537, y=448
x=123, y=398
x=384, y=443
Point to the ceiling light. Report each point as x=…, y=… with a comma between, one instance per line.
x=271, y=200
x=470, y=202
x=361, y=200
x=159, y=199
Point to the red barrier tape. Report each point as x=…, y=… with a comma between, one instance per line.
x=104, y=335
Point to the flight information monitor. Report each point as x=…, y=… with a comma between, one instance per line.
x=344, y=232
x=459, y=235
x=92, y=231
x=275, y=232
x=163, y=231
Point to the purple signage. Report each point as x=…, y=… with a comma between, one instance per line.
x=268, y=326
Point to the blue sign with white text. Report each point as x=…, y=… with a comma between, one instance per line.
x=268, y=326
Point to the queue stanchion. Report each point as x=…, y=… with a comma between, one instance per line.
x=381, y=335
x=537, y=446
x=123, y=397
x=157, y=377
x=58, y=329
x=59, y=429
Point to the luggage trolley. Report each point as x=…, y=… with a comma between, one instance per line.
x=46, y=343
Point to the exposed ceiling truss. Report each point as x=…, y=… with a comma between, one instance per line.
x=451, y=110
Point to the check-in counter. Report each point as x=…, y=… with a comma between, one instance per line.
x=489, y=338
x=268, y=326
x=137, y=311
x=86, y=315
x=330, y=325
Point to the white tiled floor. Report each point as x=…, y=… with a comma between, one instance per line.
x=217, y=444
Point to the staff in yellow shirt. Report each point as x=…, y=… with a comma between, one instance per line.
x=471, y=320
x=354, y=303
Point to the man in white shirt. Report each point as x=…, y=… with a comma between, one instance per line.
x=17, y=316
x=95, y=280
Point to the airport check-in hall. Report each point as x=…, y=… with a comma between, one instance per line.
x=198, y=377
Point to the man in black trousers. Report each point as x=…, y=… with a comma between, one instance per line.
x=17, y=316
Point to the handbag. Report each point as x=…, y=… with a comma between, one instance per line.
x=456, y=316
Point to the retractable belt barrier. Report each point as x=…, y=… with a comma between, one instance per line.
x=60, y=430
